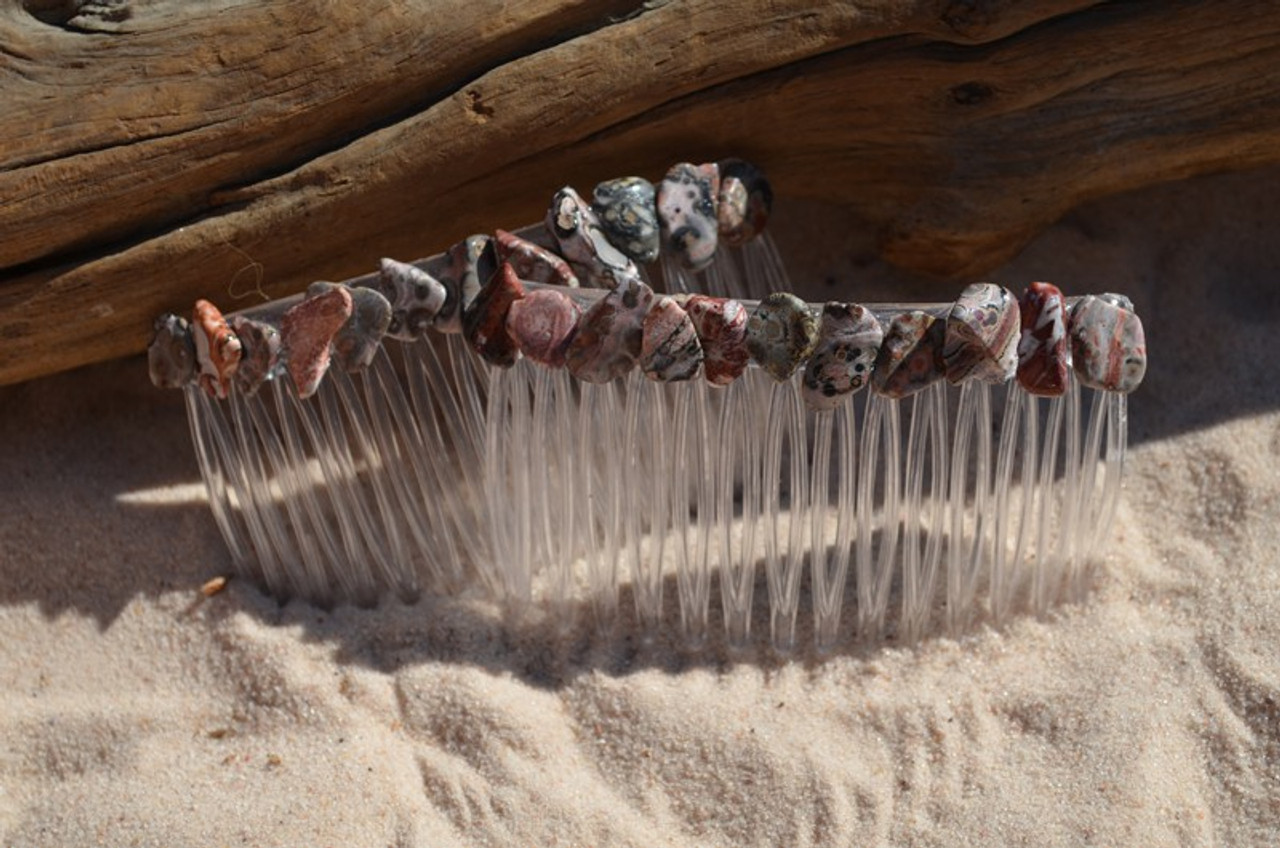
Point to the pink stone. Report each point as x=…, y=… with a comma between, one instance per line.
x=531, y=262
x=217, y=349
x=1042, y=350
x=484, y=323
x=1108, y=345
x=669, y=350
x=849, y=338
x=745, y=201
x=543, y=324
x=687, y=198
x=260, y=343
x=722, y=331
x=982, y=335
x=910, y=356
x=610, y=334
x=307, y=330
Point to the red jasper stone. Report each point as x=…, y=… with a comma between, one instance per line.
x=722, y=331
x=306, y=332
x=484, y=323
x=543, y=323
x=1042, y=349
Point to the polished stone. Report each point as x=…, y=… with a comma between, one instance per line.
x=307, y=330
x=745, y=201
x=982, y=335
x=910, y=357
x=584, y=243
x=781, y=334
x=627, y=214
x=1108, y=344
x=533, y=263
x=416, y=298
x=218, y=349
x=849, y=339
x=1043, y=360
x=543, y=323
x=484, y=324
x=669, y=351
x=610, y=334
x=171, y=357
x=721, y=325
x=260, y=352
x=687, y=213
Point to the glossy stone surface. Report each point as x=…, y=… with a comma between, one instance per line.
x=171, y=358
x=584, y=244
x=543, y=323
x=1108, y=344
x=687, y=213
x=359, y=339
x=982, y=335
x=484, y=324
x=217, y=349
x=745, y=201
x=721, y=325
x=471, y=263
x=610, y=334
x=627, y=214
x=416, y=298
x=307, y=330
x=781, y=334
x=260, y=354
x=1042, y=348
x=849, y=340
x=910, y=357
x=533, y=263
x=669, y=350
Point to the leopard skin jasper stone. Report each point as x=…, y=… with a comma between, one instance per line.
x=745, y=201
x=260, y=354
x=543, y=323
x=982, y=335
x=849, y=338
x=484, y=323
x=669, y=350
x=910, y=357
x=721, y=325
x=416, y=298
x=171, y=357
x=610, y=334
x=307, y=330
x=218, y=349
x=584, y=243
x=1042, y=350
x=1108, y=344
x=533, y=263
x=781, y=334
x=687, y=213
x=627, y=215
x=469, y=265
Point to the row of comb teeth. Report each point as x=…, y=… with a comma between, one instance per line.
x=395, y=473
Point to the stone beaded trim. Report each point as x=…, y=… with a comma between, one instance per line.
x=514, y=295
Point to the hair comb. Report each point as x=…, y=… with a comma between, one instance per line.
x=628, y=391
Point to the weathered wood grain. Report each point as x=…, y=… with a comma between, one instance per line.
x=206, y=149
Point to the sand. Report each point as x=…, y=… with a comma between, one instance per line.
x=134, y=711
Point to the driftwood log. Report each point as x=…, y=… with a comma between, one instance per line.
x=155, y=151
